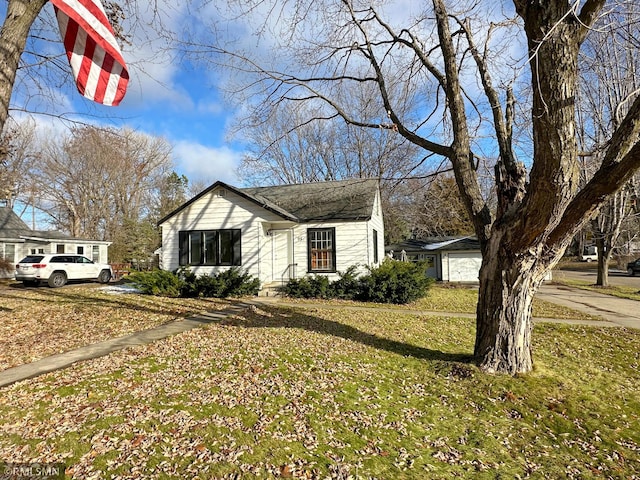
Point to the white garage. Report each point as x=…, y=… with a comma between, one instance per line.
x=450, y=259
x=461, y=266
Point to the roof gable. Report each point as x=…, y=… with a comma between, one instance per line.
x=437, y=244
x=340, y=200
x=11, y=225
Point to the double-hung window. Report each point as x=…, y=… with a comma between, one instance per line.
x=210, y=247
x=322, y=249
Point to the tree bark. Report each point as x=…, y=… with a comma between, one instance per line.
x=13, y=38
x=517, y=255
x=604, y=254
x=508, y=283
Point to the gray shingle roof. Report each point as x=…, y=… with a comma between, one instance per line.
x=339, y=200
x=11, y=226
x=436, y=244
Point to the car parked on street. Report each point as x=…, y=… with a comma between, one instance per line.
x=633, y=267
x=58, y=268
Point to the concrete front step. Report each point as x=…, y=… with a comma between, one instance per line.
x=270, y=290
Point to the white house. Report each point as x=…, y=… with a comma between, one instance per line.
x=277, y=233
x=17, y=241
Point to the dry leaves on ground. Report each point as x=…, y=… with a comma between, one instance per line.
x=38, y=322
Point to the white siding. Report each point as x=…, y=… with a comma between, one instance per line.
x=376, y=223
x=214, y=212
x=259, y=227
x=352, y=246
x=462, y=266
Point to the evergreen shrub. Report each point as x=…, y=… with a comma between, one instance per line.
x=184, y=283
x=391, y=282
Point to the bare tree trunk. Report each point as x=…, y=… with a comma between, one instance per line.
x=13, y=38
x=603, y=248
x=508, y=283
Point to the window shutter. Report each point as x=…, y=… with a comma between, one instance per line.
x=237, y=249
x=183, y=248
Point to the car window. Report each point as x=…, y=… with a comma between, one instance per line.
x=32, y=259
x=61, y=259
x=83, y=260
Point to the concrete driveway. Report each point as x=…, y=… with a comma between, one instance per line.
x=620, y=311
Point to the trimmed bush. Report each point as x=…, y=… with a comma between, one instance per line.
x=157, y=282
x=348, y=286
x=391, y=282
x=396, y=282
x=234, y=283
x=316, y=286
x=184, y=283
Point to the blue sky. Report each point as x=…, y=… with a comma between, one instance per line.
x=169, y=97
x=165, y=97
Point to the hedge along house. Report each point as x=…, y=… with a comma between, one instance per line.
x=277, y=233
x=17, y=241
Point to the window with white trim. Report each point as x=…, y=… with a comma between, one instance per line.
x=321, y=249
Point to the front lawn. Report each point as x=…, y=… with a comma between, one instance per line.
x=326, y=393
x=37, y=322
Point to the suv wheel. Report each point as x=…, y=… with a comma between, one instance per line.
x=57, y=279
x=105, y=276
x=631, y=271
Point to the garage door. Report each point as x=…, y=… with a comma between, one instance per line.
x=464, y=267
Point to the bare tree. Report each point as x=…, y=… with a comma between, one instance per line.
x=434, y=208
x=610, y=84
x=432, y=63
x=16, y=158
x=103, y=183
x=13, y=37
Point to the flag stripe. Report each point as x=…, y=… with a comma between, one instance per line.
x=94, y=21
x=97, y=64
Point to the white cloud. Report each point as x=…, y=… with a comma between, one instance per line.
x=207, y=164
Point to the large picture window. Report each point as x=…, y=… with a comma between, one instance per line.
x=322, y=249
x=210, y=247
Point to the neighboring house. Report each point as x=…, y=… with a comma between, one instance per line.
x=277, y=233
x=449, y=259
x=17, y=241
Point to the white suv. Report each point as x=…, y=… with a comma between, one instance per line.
x=59, y=268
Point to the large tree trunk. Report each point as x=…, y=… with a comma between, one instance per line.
x=508, y=283
x=13, y=38
x=518, y=253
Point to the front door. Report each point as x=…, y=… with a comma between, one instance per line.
x=281, y=255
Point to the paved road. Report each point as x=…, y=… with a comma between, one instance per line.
x=616, y=277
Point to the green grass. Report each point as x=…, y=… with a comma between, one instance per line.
x=465, y=299
x=631, y=293
x=326, y=393
x=454, y=299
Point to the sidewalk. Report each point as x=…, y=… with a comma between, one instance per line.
x=616, y=312
x=101, y=349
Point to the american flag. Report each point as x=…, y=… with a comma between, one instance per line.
x=97, y=64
